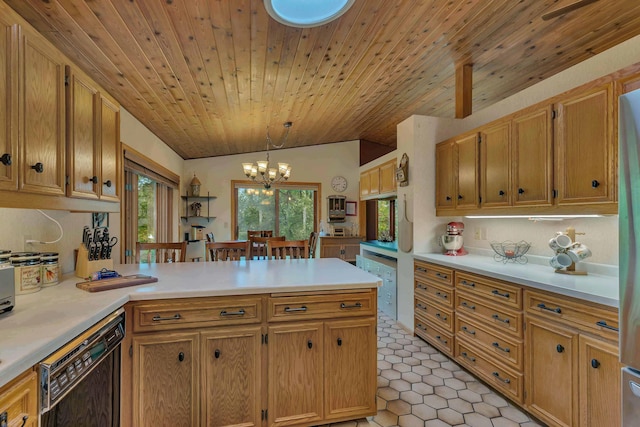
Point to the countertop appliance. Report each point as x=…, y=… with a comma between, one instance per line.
x=81, y=380
x=629, y=231
x=452, y=241
x=7, y=289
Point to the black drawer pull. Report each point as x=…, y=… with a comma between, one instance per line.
x=442, y=276
x=216, y=354
x=157, y=318
x=441, y=317
x=467, y=330
x=504, y=380
x=339, y=342
x=421, y=269
x=505, y=349
x=107, y=183
x=496, y=317
x=420, y=306
x=94, y=179
x=293, y=310
x=5, y=159
x=422, y=328
x=497, y=293
x=439, y=338
x=181, y=357
x=38, y=167
x=310, y=344
x=24, y=420
x=595, y=364
x=448, y=198
x=603, y=324
x=441, y=295
x=559, y=348
x=356, y=305
x=424, y=288
x=557, y=310
x=240, y=312
x=466, y=356
x=466, y=305
x=470, y=284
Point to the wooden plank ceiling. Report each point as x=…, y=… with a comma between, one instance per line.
x=208, y=76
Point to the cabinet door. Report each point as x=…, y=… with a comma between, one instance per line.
x=331, y=248
x=374, y=181
x=467, y=149
x=495, y=165
x=350, y=354
x=231, y=361
x=295, y=373
x=350, y=250
x=110, y=148
x=599, y=371
x=165, y=379
x=9, y=106
x=532, y=158
x=445, y=175
x=585, y=147
x=19, y=398
x=42, y=118
x=552, y=380
x=365, y=184
x=388, y=177
x=82, y=135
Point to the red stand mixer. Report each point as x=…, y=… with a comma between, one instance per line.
x=452, y=241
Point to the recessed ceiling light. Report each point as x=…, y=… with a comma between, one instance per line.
x=307, y=13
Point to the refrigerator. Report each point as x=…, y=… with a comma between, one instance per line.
x=629, y=253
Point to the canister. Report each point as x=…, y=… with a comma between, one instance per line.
x=27, y=274
x=5, y=255
x=50, y=268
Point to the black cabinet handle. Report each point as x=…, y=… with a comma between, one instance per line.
x=595, y=364
x=345, y=306
x=497, y=293
x=94, y=179
x=5, y=159
x=240, y=312
x=420, y=306
x=442, y=276
x=38, y=167
x=470, y=284
x=496, y=317
x=441, y=317
x=459, y=196
x=557, y=310
x=603, y=324
x=520, y=190
x=439, y=338
x=422, y=328
x=595, y=183
x=339, y=342
x=421, y=269
x=559, y=348
x=107, y=183
x=157, y=318
x=424, y=288
x=466, y=356
x=24, y=420
x=500, y=193
x=310, y=344
x=4, y=418
x=216, y=354
x=505, y=349
x=448, y=198
x=467, y=330
x=471, y=307
x=181, y=356
x=441, y=295
x=504, y=380
x=291, y=310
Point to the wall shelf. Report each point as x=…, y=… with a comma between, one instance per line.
x=187, y=208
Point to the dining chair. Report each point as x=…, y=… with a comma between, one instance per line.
x=228, y=251
x=162, y=252
x=293, y=249
x=258, y=246
x=313, y=242
x=259, y=233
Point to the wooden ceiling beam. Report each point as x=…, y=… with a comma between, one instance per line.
x=464, y=90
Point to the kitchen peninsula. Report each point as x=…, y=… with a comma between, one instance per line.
x=248, y=314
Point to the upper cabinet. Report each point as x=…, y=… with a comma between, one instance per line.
x=558, y=157
x=379, y=181
x=9, y=108
x=93, y=122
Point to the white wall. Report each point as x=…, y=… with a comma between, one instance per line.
x=317, y=163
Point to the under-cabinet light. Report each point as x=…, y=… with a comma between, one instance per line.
x=533, y=218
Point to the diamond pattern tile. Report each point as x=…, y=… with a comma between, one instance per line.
x=419, y=386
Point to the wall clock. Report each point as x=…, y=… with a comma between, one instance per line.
x=339, y=183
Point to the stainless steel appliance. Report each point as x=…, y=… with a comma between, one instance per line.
x=629, y=253
x=80, y=383
x=452, y=241
x=7, y=288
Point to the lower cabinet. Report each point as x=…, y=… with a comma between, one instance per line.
x=19, y=401
x=346, y=248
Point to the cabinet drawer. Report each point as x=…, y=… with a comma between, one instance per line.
x=507, y=350
x=324, y=306
x=503, y=319
x=440, y=339
x=196, y=312
x=502, y=378
x=582, y=315
x=493, y=290
x=437, y=315
x=433, y=292
x=433, y=272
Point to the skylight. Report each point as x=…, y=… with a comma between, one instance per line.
x=306, y=13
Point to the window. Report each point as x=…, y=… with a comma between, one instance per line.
x=148, y=202
x=387, y=220
x=290, y=210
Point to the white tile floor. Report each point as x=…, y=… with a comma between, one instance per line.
x=419, y=386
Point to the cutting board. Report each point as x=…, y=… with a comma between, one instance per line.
x=405, y=239
x=115, y=283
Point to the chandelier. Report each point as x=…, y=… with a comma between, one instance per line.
x=261, y=172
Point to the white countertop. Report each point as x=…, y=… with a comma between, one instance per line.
x=44, y=321
x=593, y=287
